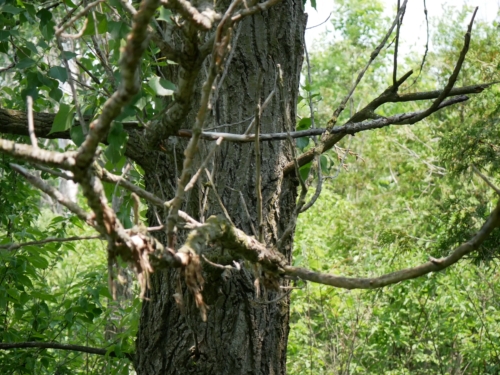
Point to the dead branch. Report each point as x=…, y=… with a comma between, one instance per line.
x=15, y=246
x=64, y=160
x=56, y=345
x=203, y=20
x=53, y=193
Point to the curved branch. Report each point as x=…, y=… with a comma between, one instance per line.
x=56, y=345
x=433, y=265
x=239, y=243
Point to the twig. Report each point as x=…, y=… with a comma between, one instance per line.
x=53, y=172
x=426, y=48
x=219, y=52
x=454, y=75
x=61, y=28
x=15, y=246
x=52, y=192
x=56, y=345
x=191, y=183
x=373, y=56
x=485, y=179
x=258, y=177
x=217, y=196
x=317, y=192
x=31, y=123
x=221, y=266
x=396, y=45
x=201, y=20
x=71, y=82
x=284, y=295
x=303, y=187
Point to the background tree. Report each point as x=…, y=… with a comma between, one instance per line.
x=216, y=288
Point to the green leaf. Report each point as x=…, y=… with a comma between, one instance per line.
x=7, y=8
x=304, y=171
x=69, y=3
x=165, y=15
x=56, y=94
x=304, y=123
x=44, y=15
x=4, y=35
x=161, y=86
x=58, y=73
x=118, y=30
x=48, y=29
x=4, y=47
x=25, y=63
x=117, y=140
x=63, y=119
x=24, y=280
x=302, y=142
x=68, y=55
x=324, y=163
x=38, y=262
x=29, y=91
x=102, y=24
x=77, y=135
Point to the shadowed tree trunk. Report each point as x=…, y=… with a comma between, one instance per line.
x=243, y=334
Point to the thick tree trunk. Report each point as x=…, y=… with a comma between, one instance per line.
x=242, y=335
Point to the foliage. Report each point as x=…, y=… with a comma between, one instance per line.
x=404, y=194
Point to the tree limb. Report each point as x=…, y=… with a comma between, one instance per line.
x=56, y=345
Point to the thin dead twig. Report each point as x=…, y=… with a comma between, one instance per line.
x=486, y=179
x=31, y=123
x=15, y=246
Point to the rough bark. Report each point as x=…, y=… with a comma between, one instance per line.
x=242, y=335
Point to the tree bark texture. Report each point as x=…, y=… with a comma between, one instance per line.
x=242, y=334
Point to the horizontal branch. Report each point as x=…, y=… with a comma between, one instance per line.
x=56, y=345
x=15, y=246
x=349, y=128
x=32, y=154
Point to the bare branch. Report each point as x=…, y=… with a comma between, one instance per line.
x=486, y=179
x=373, y=56
x=83, y=13
x=261, y=7
x=202, y=20
x=53, y=192
x=31, y=123
x=218, y=229
x=56, y=345
x=15, y=246
x=64, y=160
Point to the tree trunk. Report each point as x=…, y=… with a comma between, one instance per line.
x=242, y=334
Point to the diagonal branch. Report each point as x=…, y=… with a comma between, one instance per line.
x=130, y=84
x=53, y=193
